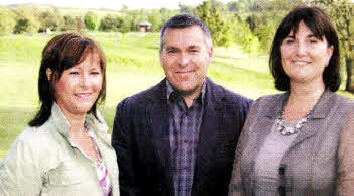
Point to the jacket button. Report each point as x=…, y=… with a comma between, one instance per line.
x=281, y=190
x=281, y=171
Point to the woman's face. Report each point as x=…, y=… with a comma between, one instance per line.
x=78, y=87
x=304, y=56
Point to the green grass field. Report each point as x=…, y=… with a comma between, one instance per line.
x=132, y=66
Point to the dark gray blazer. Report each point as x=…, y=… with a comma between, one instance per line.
x=309, y=166
x=141, y=140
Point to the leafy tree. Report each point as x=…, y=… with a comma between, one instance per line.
x=155, y=19
x=341, y=13
x=215, y=4
x=70, y=23
x=124, y=8
x=215, y=21
x=79, y=25
x=111, y=23
x=91, y=20
x=253, y=21
x=132, y=17
x=266, y=16
x=163, y=11
x=233, y=6
x=185, y=8
x=165, y=14
x=50, y=18
x=125, y=26
x=108, y=23
x=120, y=24
x=243, y=36
x=133, y=23
x=249, y=5
x=265, y=32
x=7, y=21
x=26, y=21
x=155, y=16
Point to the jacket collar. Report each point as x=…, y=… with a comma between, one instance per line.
x=320, y=110
x=170, y=91
x=212, y=94
x=157, y=113
x=98, y=126
x=323, y=106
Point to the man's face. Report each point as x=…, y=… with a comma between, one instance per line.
x=185, y=58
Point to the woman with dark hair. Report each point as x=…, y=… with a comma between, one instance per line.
x=300, y=142
x=66, y=149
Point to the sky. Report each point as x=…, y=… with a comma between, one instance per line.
x=110, y=4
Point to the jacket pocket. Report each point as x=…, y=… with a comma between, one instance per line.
x=64, y=176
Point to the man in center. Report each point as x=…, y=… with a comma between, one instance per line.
x=179, y=137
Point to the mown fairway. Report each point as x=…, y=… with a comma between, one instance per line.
x=132, y=65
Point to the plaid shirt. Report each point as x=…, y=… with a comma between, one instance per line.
x=184, y=127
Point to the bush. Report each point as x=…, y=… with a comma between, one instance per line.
x=7, y=21
x=91, y=21
x=113, y=23
x=109, y=23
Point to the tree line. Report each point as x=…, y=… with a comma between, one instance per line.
x=32, y=19
x=248, y=23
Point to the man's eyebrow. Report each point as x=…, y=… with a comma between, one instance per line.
x=194, y=47
x=171, y=48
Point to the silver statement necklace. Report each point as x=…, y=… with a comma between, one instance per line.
x=287, y=130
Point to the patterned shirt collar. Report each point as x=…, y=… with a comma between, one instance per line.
x=170, y=91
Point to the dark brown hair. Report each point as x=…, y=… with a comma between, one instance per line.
x=61, y=53
x=181, y=21
x=320, y=25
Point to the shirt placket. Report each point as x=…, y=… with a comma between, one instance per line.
x=184, y=136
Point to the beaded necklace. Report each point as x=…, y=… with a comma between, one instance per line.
x=286, y=130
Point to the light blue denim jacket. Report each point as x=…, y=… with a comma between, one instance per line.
x=43, y=161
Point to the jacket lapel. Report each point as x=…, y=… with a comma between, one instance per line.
x=210, y=129
x=320, y=111
x=157, y=115
x=263, y=124
x=160, y=134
